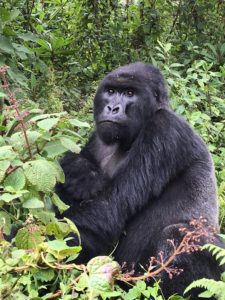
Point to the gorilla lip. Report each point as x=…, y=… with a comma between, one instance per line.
x=107, y=121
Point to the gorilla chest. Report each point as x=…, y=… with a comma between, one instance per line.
x=110, y=159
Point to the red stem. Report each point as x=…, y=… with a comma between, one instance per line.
x=14, y=103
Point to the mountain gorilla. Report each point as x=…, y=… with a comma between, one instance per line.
x=142, y=175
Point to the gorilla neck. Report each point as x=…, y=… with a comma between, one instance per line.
x=109, y=157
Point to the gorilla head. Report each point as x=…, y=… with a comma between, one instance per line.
x=126, y=99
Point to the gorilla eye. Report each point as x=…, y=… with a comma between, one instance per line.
x=129, y=93
x=110, y=91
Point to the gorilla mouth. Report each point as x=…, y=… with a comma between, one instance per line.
x=108, y=122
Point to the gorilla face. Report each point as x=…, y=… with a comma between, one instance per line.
x=125, y=100
x=119, y=116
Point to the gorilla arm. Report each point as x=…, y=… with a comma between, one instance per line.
x=165, y=147
x=84, y=180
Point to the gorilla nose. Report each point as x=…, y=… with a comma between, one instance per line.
x=114, y=109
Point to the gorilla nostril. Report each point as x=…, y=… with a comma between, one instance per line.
x=116, y=110
x=109, y=108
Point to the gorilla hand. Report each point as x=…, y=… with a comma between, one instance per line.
x=84, y=180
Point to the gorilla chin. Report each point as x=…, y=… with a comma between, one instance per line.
x=110, y=132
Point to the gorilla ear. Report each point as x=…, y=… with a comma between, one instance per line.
x=161, y=95
x=156, y=94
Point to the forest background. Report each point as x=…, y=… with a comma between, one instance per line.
x=57, y=52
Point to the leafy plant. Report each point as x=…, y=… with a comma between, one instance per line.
x=212, y=287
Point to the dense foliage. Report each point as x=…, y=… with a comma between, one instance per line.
x=57, y=51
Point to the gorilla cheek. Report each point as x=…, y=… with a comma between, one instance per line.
x=109, y=132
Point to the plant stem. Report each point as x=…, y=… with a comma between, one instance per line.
x=14, y=104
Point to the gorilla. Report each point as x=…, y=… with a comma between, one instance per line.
x=143, y=174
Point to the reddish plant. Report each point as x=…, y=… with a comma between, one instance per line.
x=14, y=104
x=190, y=242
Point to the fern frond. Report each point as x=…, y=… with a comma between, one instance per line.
x=217, y=252
x=215, y=288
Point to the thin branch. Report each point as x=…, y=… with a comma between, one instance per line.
x=188, y=244
x=14, y=104
x=176, y=17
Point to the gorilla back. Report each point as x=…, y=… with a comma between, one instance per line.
x=143, y=174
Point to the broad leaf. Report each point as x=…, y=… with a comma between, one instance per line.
x=18, y=139
x=47, y=124
x=58, y=229
x=16, y=180
x=29, y=237
x=6, y=152
x=70, y=145
x=6, y=197
x=43, y=174
x=78, y=123
x=102, y=271
x=4, y=165
x=5, y=222
x=61, y=250
x=33, y=203
x=59, y=203
x=54, y=148
x=6, y=45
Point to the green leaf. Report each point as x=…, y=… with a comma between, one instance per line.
x=102, y=271
x=58, y=171
x=18, y=254
x=47, y=124
x=205, y=294
x=18, y=77
x=5, y=222
x=4, y=14
x=6, y=45
x=54, y=148
x=21, y=48
x=2, y=141
x=59, y=203
x=6, y=152
x=29, y=237
x=95, y=263
x=14, y=14
x=33, y=81
x=16, y=180
x=82, y=283
x=6, y=197
x=43, y=174
x=78, y=123
x=175, y=65
x=70, y=145
x=4, y=165
x=47, y=116
x=18, y=138
x=61, y=250
x=3, y=95
x=28, y=36
x=33, y=203
x=73, y=228
x=45, y=217
x=110, y=295
x=45, y=275
x=216, y=288
x=46, y=45
x=58, y=229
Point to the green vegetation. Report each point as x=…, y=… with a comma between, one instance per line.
x=57, y=51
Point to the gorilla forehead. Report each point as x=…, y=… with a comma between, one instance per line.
x=139, y=73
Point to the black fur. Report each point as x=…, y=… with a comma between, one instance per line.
x=143, y=174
